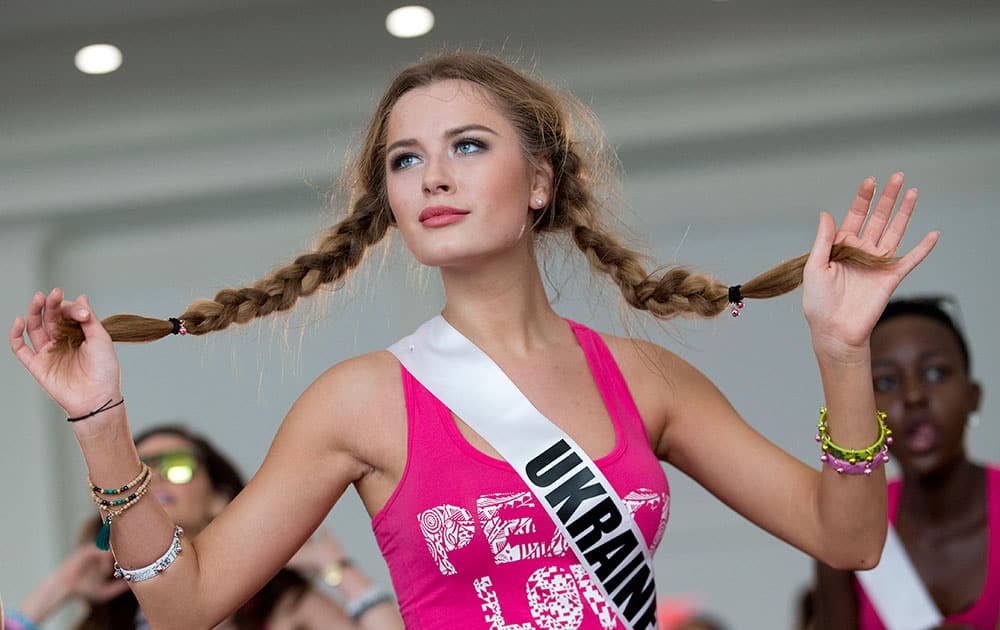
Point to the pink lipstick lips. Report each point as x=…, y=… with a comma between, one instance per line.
x=921, y=436
x=439, y=216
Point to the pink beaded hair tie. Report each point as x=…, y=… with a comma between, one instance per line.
x=179, y=328
x=735, y=300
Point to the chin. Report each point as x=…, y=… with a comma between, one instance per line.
x=928, y=465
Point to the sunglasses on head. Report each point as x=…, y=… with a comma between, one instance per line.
x=177, y=467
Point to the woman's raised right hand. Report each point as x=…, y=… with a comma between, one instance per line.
x=81, y=379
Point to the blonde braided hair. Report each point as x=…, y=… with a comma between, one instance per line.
x=540, y=115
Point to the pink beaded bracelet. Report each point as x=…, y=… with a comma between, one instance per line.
x=862, y=467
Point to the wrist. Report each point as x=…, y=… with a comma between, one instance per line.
x=372, y=597
x=92, y=401
x=834, y=354
x=17, y=620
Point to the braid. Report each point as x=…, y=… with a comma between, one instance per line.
x=676, y=290
x=340, y=251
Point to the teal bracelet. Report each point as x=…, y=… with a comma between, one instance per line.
x=14, y=620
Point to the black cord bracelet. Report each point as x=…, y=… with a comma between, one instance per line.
x=103, y=407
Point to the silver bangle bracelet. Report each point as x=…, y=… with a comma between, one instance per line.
x=158, y=566
x=368, y=600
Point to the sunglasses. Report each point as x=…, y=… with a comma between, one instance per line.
x=177, y=467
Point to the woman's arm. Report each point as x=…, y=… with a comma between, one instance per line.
x=838, y=519
x=704, y=437
x=84, y=574
x=836, y=600
x=324, y=559
x=309, y=465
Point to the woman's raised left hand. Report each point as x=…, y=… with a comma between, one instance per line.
x=842, y=302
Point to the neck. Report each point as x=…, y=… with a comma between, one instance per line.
x=944, y=494
x=501, y=304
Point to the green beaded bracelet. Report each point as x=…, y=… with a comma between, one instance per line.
x=853, y=456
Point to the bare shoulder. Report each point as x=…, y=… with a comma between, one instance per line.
x=353, y=406
x=646, y=364
x=358, y=384
x=664, y=386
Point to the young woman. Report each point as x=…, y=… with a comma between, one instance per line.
x=945, y=508
x=194, y=482
x=474, y=163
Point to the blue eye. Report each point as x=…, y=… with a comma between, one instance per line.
x=468, y=146
x=935, y=374
x=405, y=160
x=884, y=383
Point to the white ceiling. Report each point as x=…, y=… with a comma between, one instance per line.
x=218, y=97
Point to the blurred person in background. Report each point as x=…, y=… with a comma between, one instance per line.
x=945, y=507
x=193, y=482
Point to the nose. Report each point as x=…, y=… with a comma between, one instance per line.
x=913, y=390
x=437, y=177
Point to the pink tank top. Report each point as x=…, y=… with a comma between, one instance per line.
x=985, y=612
x=467, y=544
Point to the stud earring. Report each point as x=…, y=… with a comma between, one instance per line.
x=539, y=202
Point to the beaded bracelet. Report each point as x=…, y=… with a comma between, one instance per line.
x=103, y=539
x=158, y=566
x=863, y=467
x=853, y=456
x=110, y=504
x=143, y=471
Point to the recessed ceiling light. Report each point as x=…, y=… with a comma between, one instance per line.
x=410, y=21
x=98, y=59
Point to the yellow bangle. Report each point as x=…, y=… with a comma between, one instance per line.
x=853, y=456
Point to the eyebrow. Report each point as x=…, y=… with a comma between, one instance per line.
x=927, y=355
x=451, y=133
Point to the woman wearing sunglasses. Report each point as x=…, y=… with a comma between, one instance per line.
x=194, y=482
x=945, y=507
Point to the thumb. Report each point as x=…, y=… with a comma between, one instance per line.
x=93, y=330
x=819, y=256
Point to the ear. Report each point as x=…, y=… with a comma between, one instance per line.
x=541, y=180
x=975, y=396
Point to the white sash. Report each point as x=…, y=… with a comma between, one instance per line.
x=896, y=591
x=566, y=482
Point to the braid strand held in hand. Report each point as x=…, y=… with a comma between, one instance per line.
x=679, y=291
x=340, y=251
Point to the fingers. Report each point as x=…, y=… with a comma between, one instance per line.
x=89, y=322
x=894, y=235
x=858, y=211
x=35, y=324
x=819, y=256
x=879, y=217
x=17, y=345
x=914, y=257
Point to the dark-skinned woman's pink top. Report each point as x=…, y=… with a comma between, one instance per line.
x=984, y=613
x=468, y=545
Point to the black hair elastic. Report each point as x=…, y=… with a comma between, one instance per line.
x=736, y=299
x=734, y=294
x=179, y=328
x=103, y=407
